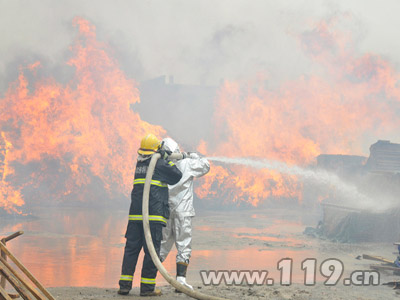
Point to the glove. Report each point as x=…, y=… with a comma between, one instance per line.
x=164, y=153
x=194, y=155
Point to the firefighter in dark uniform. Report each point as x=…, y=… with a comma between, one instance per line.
x=165, y=173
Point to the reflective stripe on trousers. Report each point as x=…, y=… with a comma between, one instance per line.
x=148, y=280
x=126, y=278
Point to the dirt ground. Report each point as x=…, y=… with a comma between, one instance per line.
x=294, y=291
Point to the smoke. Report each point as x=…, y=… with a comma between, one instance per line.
x=196, y=41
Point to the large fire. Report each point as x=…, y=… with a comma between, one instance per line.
x=78, y=140
x=352, y=104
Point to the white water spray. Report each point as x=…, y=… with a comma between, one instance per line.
x=349, y=191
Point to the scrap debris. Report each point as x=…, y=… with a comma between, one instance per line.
x=387, y=265
x=394, y=284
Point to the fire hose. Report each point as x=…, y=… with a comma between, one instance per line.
x=149, y=241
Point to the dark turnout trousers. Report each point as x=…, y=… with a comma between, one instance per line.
x=135, y=241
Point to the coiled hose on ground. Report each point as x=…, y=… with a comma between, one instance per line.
x=149, y=241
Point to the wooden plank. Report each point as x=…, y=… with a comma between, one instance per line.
x=31, y=289
x=13, y=236
x=15, y=283
x=3, y=255
x=340, y=207
x=13, y=296
x=4, y=295
x=26, y=272
x=378, y=258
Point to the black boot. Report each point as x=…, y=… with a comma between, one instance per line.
x=181, y=269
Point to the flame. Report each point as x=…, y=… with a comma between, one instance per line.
x=78, y=140
x=352, y=104
x=74, y=140
x=10, y=198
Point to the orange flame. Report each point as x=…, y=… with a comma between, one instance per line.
x=67, y=137
x=9, y=197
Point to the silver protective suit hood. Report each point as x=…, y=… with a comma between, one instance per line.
x=170, y=145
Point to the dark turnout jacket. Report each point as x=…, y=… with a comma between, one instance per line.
x=165, y=173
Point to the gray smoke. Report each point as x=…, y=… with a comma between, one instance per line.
x=199, y=41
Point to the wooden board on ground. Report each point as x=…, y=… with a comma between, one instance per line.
x=378, y=258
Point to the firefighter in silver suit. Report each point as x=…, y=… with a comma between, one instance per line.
x=179, y=225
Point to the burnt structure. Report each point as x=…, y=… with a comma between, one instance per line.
x=189, y=106
x=378, y=177
x=384, y=158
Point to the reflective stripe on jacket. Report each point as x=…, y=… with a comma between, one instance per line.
x=165, y=173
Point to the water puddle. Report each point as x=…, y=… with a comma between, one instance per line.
x=83, y=247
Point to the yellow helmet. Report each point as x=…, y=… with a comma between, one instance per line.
x=149, y=145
